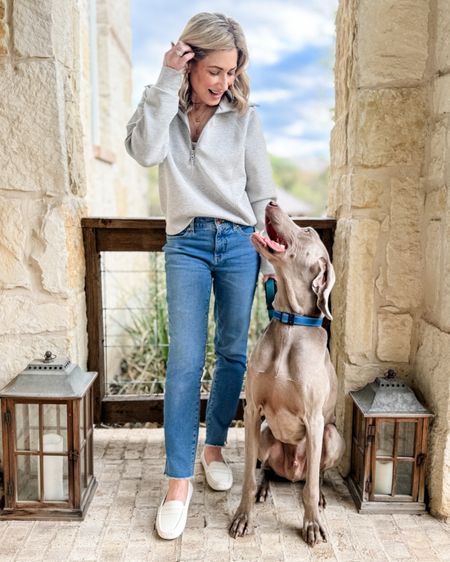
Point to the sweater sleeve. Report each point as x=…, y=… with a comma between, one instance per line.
x=260, y=187
x=147, y=139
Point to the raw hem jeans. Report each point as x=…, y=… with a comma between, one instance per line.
x=208, y=253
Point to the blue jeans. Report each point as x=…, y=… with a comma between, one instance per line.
x=208, y=253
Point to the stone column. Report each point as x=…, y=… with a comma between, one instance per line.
x=42, y=183
x=377, y=152
x=390, y=176
x=431, y=364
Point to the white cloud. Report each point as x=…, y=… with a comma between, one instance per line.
x=295, y=129
x=313, y=117
x=312, y=77
x=306, y=138
x=308, y=153
x=270, y=96
x=274, y=30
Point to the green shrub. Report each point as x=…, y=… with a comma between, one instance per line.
x=143, y=364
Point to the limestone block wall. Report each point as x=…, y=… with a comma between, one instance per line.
x=388, y=193
x=52, y=171
x=42, y=184
x=431, y=362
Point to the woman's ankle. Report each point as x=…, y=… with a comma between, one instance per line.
x=213, y=453
x=177, y=489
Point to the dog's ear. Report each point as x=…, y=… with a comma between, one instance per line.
x=322, y=285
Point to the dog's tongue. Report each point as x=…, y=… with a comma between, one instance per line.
x=266, y=241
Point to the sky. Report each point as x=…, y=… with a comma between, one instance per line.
x=291, y=45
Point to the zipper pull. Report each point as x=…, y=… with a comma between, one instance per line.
x=192, y=155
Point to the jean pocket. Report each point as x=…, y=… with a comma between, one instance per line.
x=182, y=234
x=243, y=230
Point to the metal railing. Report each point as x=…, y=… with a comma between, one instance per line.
x=103, y=237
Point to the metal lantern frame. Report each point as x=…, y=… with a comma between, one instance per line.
x=47, y=424
x=389, y=448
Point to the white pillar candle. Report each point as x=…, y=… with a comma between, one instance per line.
x=383, y=477
x=53, y=468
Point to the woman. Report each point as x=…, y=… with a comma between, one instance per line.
x=214, y=181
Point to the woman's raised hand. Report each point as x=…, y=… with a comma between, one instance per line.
x=178, y=55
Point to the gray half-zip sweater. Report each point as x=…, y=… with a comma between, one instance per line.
x=226, y=175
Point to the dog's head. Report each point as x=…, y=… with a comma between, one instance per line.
x=298, y=255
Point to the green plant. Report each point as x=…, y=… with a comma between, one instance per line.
x=144, y=357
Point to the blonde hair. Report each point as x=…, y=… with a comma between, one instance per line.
x=205, y=33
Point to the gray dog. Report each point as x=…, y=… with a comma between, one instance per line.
x=290, y=379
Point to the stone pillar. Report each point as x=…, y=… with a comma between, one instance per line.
x=4, y=29
x=388, y=149
x=431, y=361
x=42, y=183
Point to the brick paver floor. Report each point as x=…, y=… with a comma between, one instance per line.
x=119, y=525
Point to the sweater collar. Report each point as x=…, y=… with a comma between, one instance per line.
x=225, y=106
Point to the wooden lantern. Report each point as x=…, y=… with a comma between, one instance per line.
x=389, y=448
x=47, y=422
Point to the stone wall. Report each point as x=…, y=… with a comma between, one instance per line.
x=389, y=195
x=42, y=184
x=51, y=172
x=431, y=351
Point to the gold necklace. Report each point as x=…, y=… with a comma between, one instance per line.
x=199, y=119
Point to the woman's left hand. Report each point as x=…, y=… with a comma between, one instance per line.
x=178, y=55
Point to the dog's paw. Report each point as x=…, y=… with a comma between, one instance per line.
x=241, y=525
x=313, y=532
x=322, y=501
x=263, y=492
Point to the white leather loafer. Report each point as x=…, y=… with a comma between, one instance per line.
x=171, y=517
x=218, y=474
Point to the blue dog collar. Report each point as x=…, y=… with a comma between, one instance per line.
x=296, y=319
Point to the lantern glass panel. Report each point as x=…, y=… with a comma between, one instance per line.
x=83, y=468
x=55, y=478
x=82, y=418
x=385, y=438
x=55, y=424
x=384, y=470
x=27, y=427
x=27, y=477
x=66, y=478
x=404, y=478
x=406, y=435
